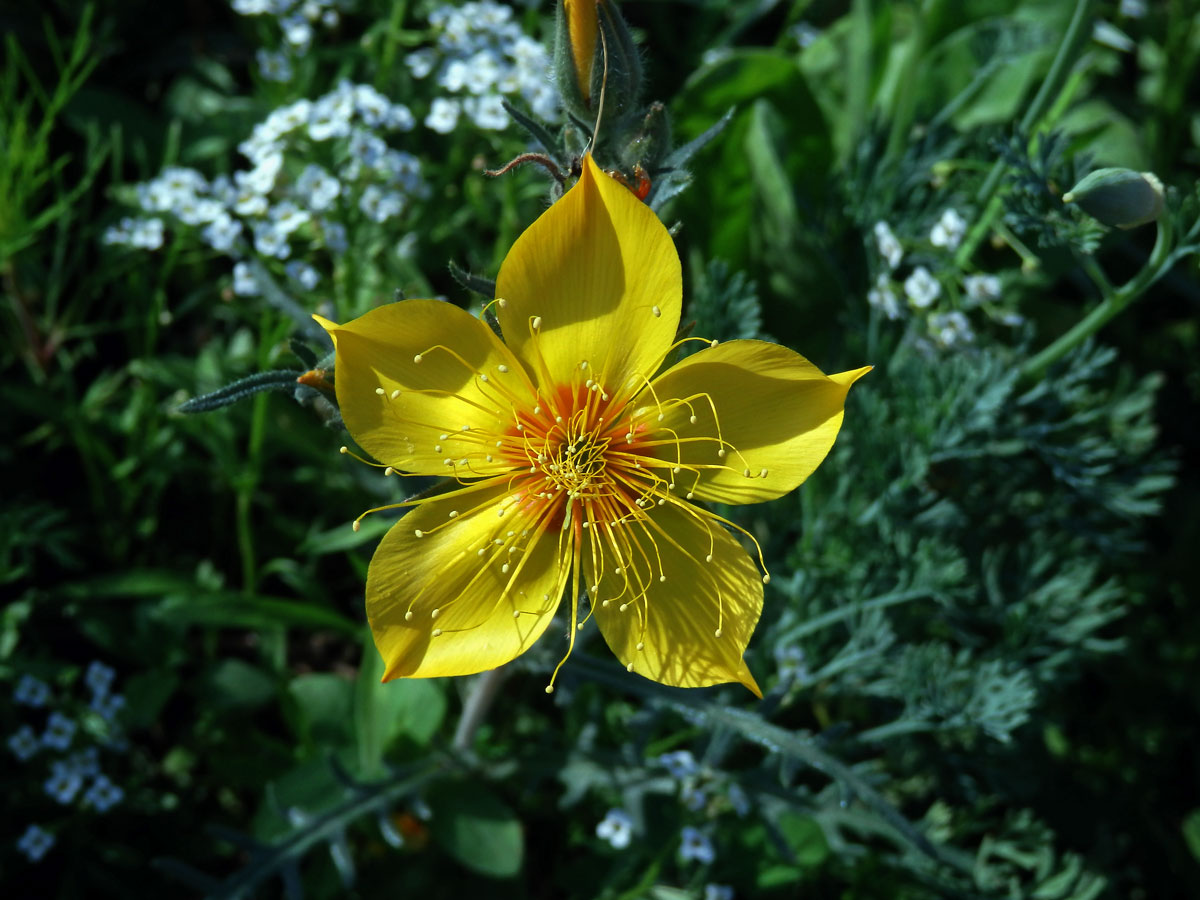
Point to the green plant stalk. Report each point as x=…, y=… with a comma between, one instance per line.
x=1069, y=48
x=1112, y=304
x=387, y=58
x=905, y=105
x=246, y=487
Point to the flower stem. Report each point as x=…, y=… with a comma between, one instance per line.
x=1113, y=302
x=478, y=702
x=1068, y=49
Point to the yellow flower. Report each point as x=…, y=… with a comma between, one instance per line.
x=575, y=463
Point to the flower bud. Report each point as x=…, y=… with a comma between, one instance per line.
x=586, y=29
x=1119, y=197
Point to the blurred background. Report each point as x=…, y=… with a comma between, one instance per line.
x=979, y=646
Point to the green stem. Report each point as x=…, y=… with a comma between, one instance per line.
x=1160, y=260
x=906, y=97
x=1068, y=49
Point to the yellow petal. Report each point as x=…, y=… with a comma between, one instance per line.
x=675, y=599
x=437, y=606
x=438, y=397
x=776, y=413
x=583, y=26
x=599, y=274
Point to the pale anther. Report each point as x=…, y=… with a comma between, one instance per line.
x=357, y=525
x=629, y=668
x=343, y=449
x=721, y=453
x=717, y=633
x=483, y=377
x=766, y=579
x=745, y=473
x=713, y=343
x=693, y=420
x=504, y=569
x=655, y=311
x=501, y=302
x=516, y=614
x=437, y=632
x=762, y=474
x=454, y=513
x=623, y=607
x=502, y=369
x=380, y=391
x=437, y=448
x=708, y=558
x=408, y=616
x=417, y=358
x=641, y=646
x=549, y=689
x=434, y=614
x=388, y=471
x=442, y=437
x=419, y=533
x=662, y=578
x=481, y=551
x=396, y=394
x=536, y=323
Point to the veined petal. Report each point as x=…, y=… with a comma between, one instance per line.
x=685, y=601
x=458, y=398
x=776, y=417
x=475, y=590
x=599, y=274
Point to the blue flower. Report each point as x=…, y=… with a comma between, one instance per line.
x=103, y=794
x=31, y=691
x=273, y=66
x=108, y=706
x=59, y=731
x=718, y=892
x=443, y=115
x=303, y=274
x=319, y=187
x=35, y=843
x=64, y=783
x=222, y=233
x=244, y=282
x=695, y=845
x=99, y=677
x=24, y=743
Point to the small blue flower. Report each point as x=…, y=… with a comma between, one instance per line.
x=738, y=799
x=103, y=794
x=288, y=217
x=616, y=827
x=695, y=845
x=31, y=691
x=108, y=706
x=694, y=798
x=24, y=743
x=99, y=677
x=35, y=843
x=380, y=205
x=718, y=892
x=85, y=763
x=421, y=62
x=64, y=783
x=59, y=731
x=679, y=764
x=269, y=240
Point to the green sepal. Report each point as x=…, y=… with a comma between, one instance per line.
x=280, y=380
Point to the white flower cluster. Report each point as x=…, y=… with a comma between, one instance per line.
x=70, y=773
x=925, y=294
x=480, y=56
x=277, y=199
x=297, y=20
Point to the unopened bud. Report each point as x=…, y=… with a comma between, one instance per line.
x=586, y=29
x=1119, y=197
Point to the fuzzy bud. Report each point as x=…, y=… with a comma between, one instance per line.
x=585, y=29
x=1119, y=197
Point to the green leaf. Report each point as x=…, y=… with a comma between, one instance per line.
x=406, y=707
x=234, y=684
x=322, y=699
x=475, y=827
x=805, y=838
x=228, y=609
x=1191, y=832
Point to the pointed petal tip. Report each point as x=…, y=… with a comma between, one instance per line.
x=848, y=378
x=747, y=681
x=329, y=326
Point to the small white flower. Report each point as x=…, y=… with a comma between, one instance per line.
x=261, y=179
x=379, y=205
x=616, y=827
x=679, y=764
x=198, y=210
x=59, y=731
x=146, y=234
x=922, y=288
x=103, y=794
x=303, y=274
x=288, y=217
x=24, y=743
x=454, y=76
x=695, y=845
x=487, y=112
x=1134, y=9
x=270, y=240
x=791, y=663
x=1011, y=319
x=334, y=235
x=399, y=118
x=421, y=62
x=883, y=298
x=981, y=288
x=949, y=230
x=951, y=329
x=35, y=843
x=889, y=247
x=222, y=233
x=31, y=691
x=718, y=892
x=330, y=116
x=297, y=31
x=273, y=66
x=244, y=282
x=319, y=187
x=483, y=70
